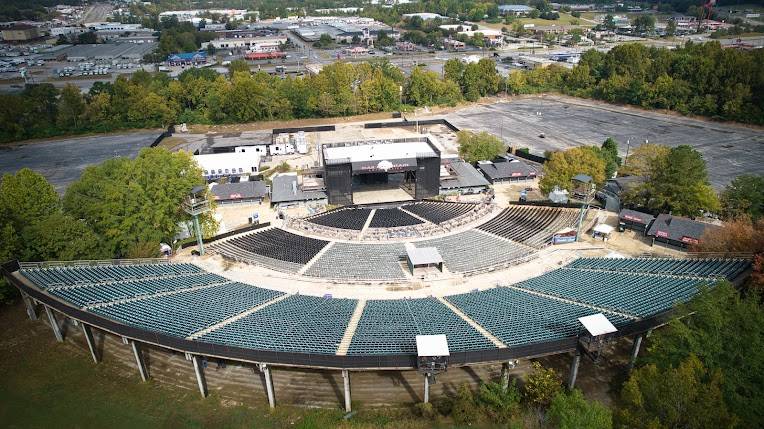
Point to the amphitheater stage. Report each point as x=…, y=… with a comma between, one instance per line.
x=383, y=195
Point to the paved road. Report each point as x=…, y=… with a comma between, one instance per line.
x=62, y=161
x=729, y=150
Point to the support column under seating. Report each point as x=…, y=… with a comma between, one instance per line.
x=139, y=361
x=29, y=304
x=574, y=369
x=87, y=330
x=635, y=351
x=346, y=382
x=199, y=371
x=54, y=325
x=266, y=370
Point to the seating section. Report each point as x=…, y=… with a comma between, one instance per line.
x=518, y=318
x=274, y=248
x=85, y=295
x=392, y=218
x=531, y=225
x=541, y=309
x=729, y=268
x=472, y=251
x=184, y=313
x=356, y=261
x=636, y=294
x=439, y=212
x=88, y=274
x=299, y=324
x=391, y=327
x=349, y=218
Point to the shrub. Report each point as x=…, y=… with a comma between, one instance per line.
x=464, y=409
x=499, y=404
x=573, y=411
x=542, y=385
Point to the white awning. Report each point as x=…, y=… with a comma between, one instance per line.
x=597, y=324
x=432, y=345
x=423, y=255
x=603, y=229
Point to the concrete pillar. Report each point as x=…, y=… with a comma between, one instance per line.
x=139, y=360
x=505, y=376
x=200, y=380
x=635, y=351
x=346, y=379
x=54, y=325
x=91, y=342
x=426, y=388
x=30, y=306
x=574, y=370
x=266, y=370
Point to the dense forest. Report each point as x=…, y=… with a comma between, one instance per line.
x=704, y=80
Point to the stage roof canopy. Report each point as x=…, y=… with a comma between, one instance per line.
x=378, y=152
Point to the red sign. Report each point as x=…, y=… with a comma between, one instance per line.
x=661, y=234
x=234, y=196
x=633, y=218
x=690, y=240
x=517, y=174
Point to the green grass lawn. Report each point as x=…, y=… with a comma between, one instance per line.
x=50, y=385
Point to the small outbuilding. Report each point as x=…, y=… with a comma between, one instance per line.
x=423, y=257
x=634, y=220
x=677, y=231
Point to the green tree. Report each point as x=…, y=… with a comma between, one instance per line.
x=645, y=159
x=644, y=23
x=726, y=332
x=27, y=197
x=60, y=237
x=482, y=146
x=688, y=396
x=238, y=66
x=499, y=404
x=71, y=107
x=464, y=409
x=135, y=201
x=573, y=411
x=609, y=153
x=744, y=196
x=562, y=166
x=671, y=28
x=541, y=386
x=609, y=22
x=680, y=184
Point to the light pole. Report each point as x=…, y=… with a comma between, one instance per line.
x=195, y=204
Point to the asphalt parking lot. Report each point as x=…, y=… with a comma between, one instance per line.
x=729, y=150
x=62, y=161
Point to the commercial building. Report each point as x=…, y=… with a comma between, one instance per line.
x=187, y=58
x=250, y=43
x=506, y=169
x=239, y=192
x=515, y=9
x=677, y=231
x=634, y=220
x=22, y=33
x=287, y=189
x=228, y=164
x=458, y=176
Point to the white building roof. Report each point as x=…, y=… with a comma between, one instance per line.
x=229, y=160
x=432, y=345
x=597, y=324
x=378, y=152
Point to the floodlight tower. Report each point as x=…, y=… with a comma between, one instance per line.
x=432, y=359
x=195, y=204
x=586, y=192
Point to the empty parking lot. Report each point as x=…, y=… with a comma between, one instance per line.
x=729, y=150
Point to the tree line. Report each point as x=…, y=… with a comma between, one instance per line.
x=122, y=208
x=703, y=79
